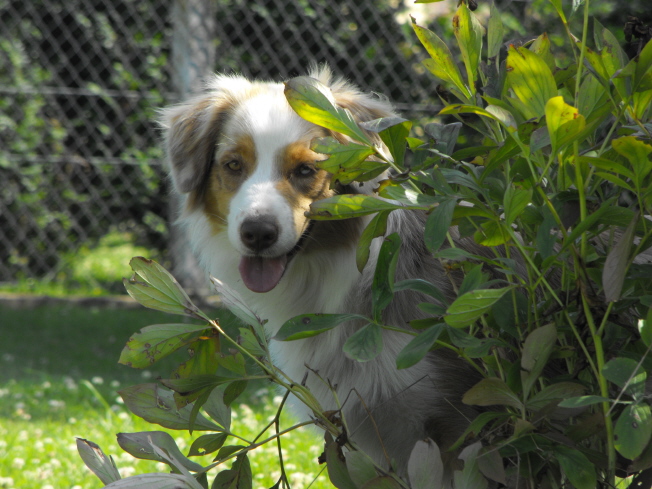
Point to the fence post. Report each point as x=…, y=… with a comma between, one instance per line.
x=193, y=59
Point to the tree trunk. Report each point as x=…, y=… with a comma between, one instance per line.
x=193, y=59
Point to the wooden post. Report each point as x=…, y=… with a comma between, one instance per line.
x=193, y=60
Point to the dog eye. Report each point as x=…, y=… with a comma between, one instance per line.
x=305, y=170
x=233, y=165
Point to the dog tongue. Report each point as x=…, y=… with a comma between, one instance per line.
x=262, y=274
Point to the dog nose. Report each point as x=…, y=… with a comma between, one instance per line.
x=258, y=233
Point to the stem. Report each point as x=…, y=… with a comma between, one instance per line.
x=604, y=392
x=259, y=444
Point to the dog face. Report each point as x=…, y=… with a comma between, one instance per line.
x=242, y=156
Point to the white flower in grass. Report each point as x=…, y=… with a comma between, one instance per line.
x=115, y=384
x=4, y=392
x=146, y=374
x=56, y=404
x=46, y=384
x=70, y=383
x=97, y=380
x=6, y=482
x=126, y=471
x=18, y=463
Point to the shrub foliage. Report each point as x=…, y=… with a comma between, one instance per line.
x=558, y=183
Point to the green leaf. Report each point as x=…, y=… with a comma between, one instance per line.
x=186, y=386
x=425, y=467
x=365, y=344
x=466, y=309
x=234, y=303
x=157, y=405
x=495, y=32
x=477, y=425
x=607, y=165
x=531, y=80
x=537, y=348
x=633, y=430
x=554, y=392
x=341, y=156
x=577, y=468
x=206, y=444
x=337, y=470
x=637, y=152
x=239, y=476
x=141, y=445
x=418, y=347
x=360, y=467
x=592, y=97
x=491, y=391
x=565, y=123
x=203, y=358
x=233, y=361
x=382, y=482
x=157, y=341
x=541, y=46
x=315, y=103
x=377, y=227
x=582, y=401
x=217, y=409
x=307, y=325
x=438, y=223
x=490, y=464
x=154, y=287
x=515, y=201
x=645, y=328
x=639, y=67
x=473, y=279
x=627, y=374
x=250, y=343
x=394, y=139
x=422, y=286
x=607, y=214
x=95, y=459
x=441, y=64
x=445, y=136
x=468, y=32
x=156, y=481
x=470, y=475
x=382, y=289
x=616, y=265
x=233, y=391
x=349, y=206
x=558, y=8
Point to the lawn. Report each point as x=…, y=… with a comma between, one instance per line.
x=59, y=379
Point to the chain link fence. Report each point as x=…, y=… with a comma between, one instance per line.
x=80, y=82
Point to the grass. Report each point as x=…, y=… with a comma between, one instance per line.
x=90, y=271
x=59, y=379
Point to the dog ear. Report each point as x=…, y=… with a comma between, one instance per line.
x=191, y=132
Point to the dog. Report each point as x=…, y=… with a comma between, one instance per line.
x=241, y=159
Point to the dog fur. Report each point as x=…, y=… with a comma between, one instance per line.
x=239, y=155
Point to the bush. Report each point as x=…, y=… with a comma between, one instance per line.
x=558, y=185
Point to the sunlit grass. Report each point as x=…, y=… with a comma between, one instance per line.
x=59, y=380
